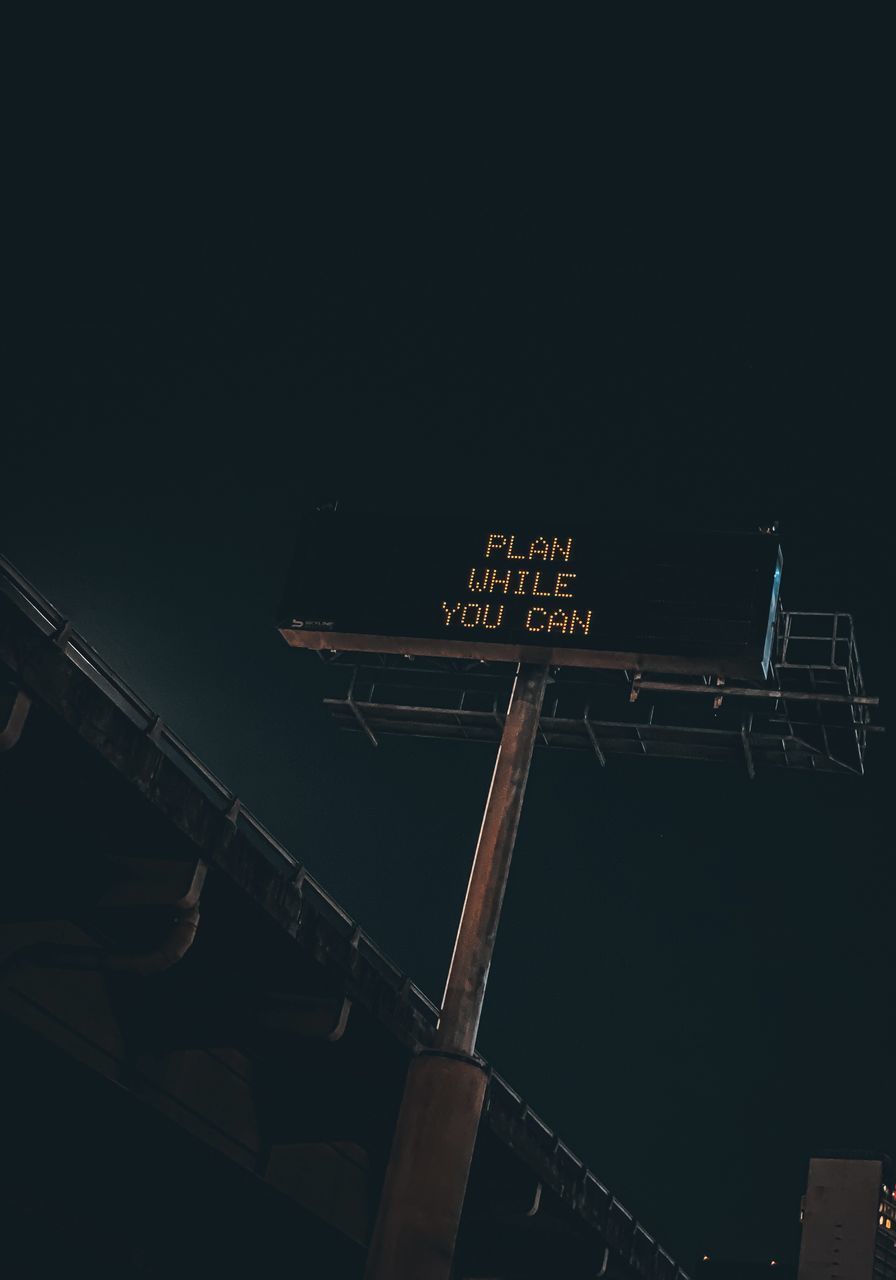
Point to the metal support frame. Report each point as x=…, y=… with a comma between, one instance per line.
x=748, y=751
x=749, y=691
x=812, y=713
x=594, y=742
x=365, y=727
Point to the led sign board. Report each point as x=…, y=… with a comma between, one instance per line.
x=576, y=595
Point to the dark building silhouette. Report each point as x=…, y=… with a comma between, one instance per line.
x=849, y=1218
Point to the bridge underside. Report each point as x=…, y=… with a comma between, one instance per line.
x=205, y=1054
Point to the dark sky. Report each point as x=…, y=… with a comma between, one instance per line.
x=565, y=271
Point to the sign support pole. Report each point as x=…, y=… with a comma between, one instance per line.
x=432, y=1149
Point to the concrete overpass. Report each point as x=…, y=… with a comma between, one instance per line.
x=206, y=1053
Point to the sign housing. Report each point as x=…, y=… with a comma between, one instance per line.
x=578, y=595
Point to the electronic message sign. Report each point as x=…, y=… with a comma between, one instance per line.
x=573, y=595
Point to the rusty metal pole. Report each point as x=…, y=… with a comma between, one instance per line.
x=426, y=1179
x=468, y=975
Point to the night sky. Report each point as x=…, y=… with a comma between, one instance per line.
x=563, y=273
